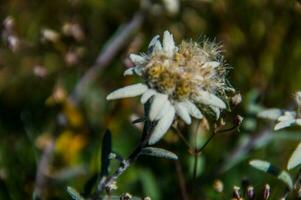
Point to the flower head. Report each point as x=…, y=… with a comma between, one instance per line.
x=179, y=80
x=284, y=118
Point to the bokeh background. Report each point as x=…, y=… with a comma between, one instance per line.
x=48, y=46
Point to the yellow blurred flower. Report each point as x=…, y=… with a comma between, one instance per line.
x=69, y=145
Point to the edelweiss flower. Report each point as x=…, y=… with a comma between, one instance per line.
x=288, y=119
x=284, y=118
x=179, y=80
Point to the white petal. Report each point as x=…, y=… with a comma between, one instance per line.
x=183, y=113
x=157, y=47
x=162, y=126
x=153, y=43
x=148, y=94
x=129, y=71
x=287, y=116
x=164, y=110
x=284, y=124
x=216, y=110
x=138, y=70
x=290, y=113
x=157, y=105
x=212, y=64
x=210, y=99
x=137, y=59
x=298, y=121
x=168, y=43
x=128, y=91
x=193, y=109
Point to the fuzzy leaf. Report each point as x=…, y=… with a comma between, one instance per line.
x=286, y=178
x=260, y=165
x=158, y=152
x=74, y=194
x=295, y=158
x=274, y=171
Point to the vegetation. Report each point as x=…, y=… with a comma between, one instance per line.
x=61, y=138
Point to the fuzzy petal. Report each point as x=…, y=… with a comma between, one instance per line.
x=162, y=126
x=128, y=91
x=147, y=95
x=211, y=99
x=129, y=71
x=153, y=43
x=183, y=113
x=164, y=110
x=157, y=105
x=168, y=43
x=137, y=59
x=157, y=47
x=193, y=109
x=212, y=64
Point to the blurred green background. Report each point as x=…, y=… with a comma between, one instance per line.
x=47, y=46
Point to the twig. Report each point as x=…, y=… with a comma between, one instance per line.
x=106, y=182
x=43, y=167
x=182, y=183
x=118, y=41
x=243, y=148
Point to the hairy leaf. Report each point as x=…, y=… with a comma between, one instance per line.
x=74, y=194
x=295, y=158
x=158, y=152
x=274, y=171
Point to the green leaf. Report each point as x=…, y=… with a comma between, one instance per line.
x=158, y=152
x=105, y=152
x=286, y=178
x=274, y=171
x=260, y=165
x=295, y=158
x=88, y=187
x=74, y=194
x=149, y=183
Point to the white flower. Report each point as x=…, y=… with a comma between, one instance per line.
x=289, y=118
x=284, y=118
x=179, y=80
